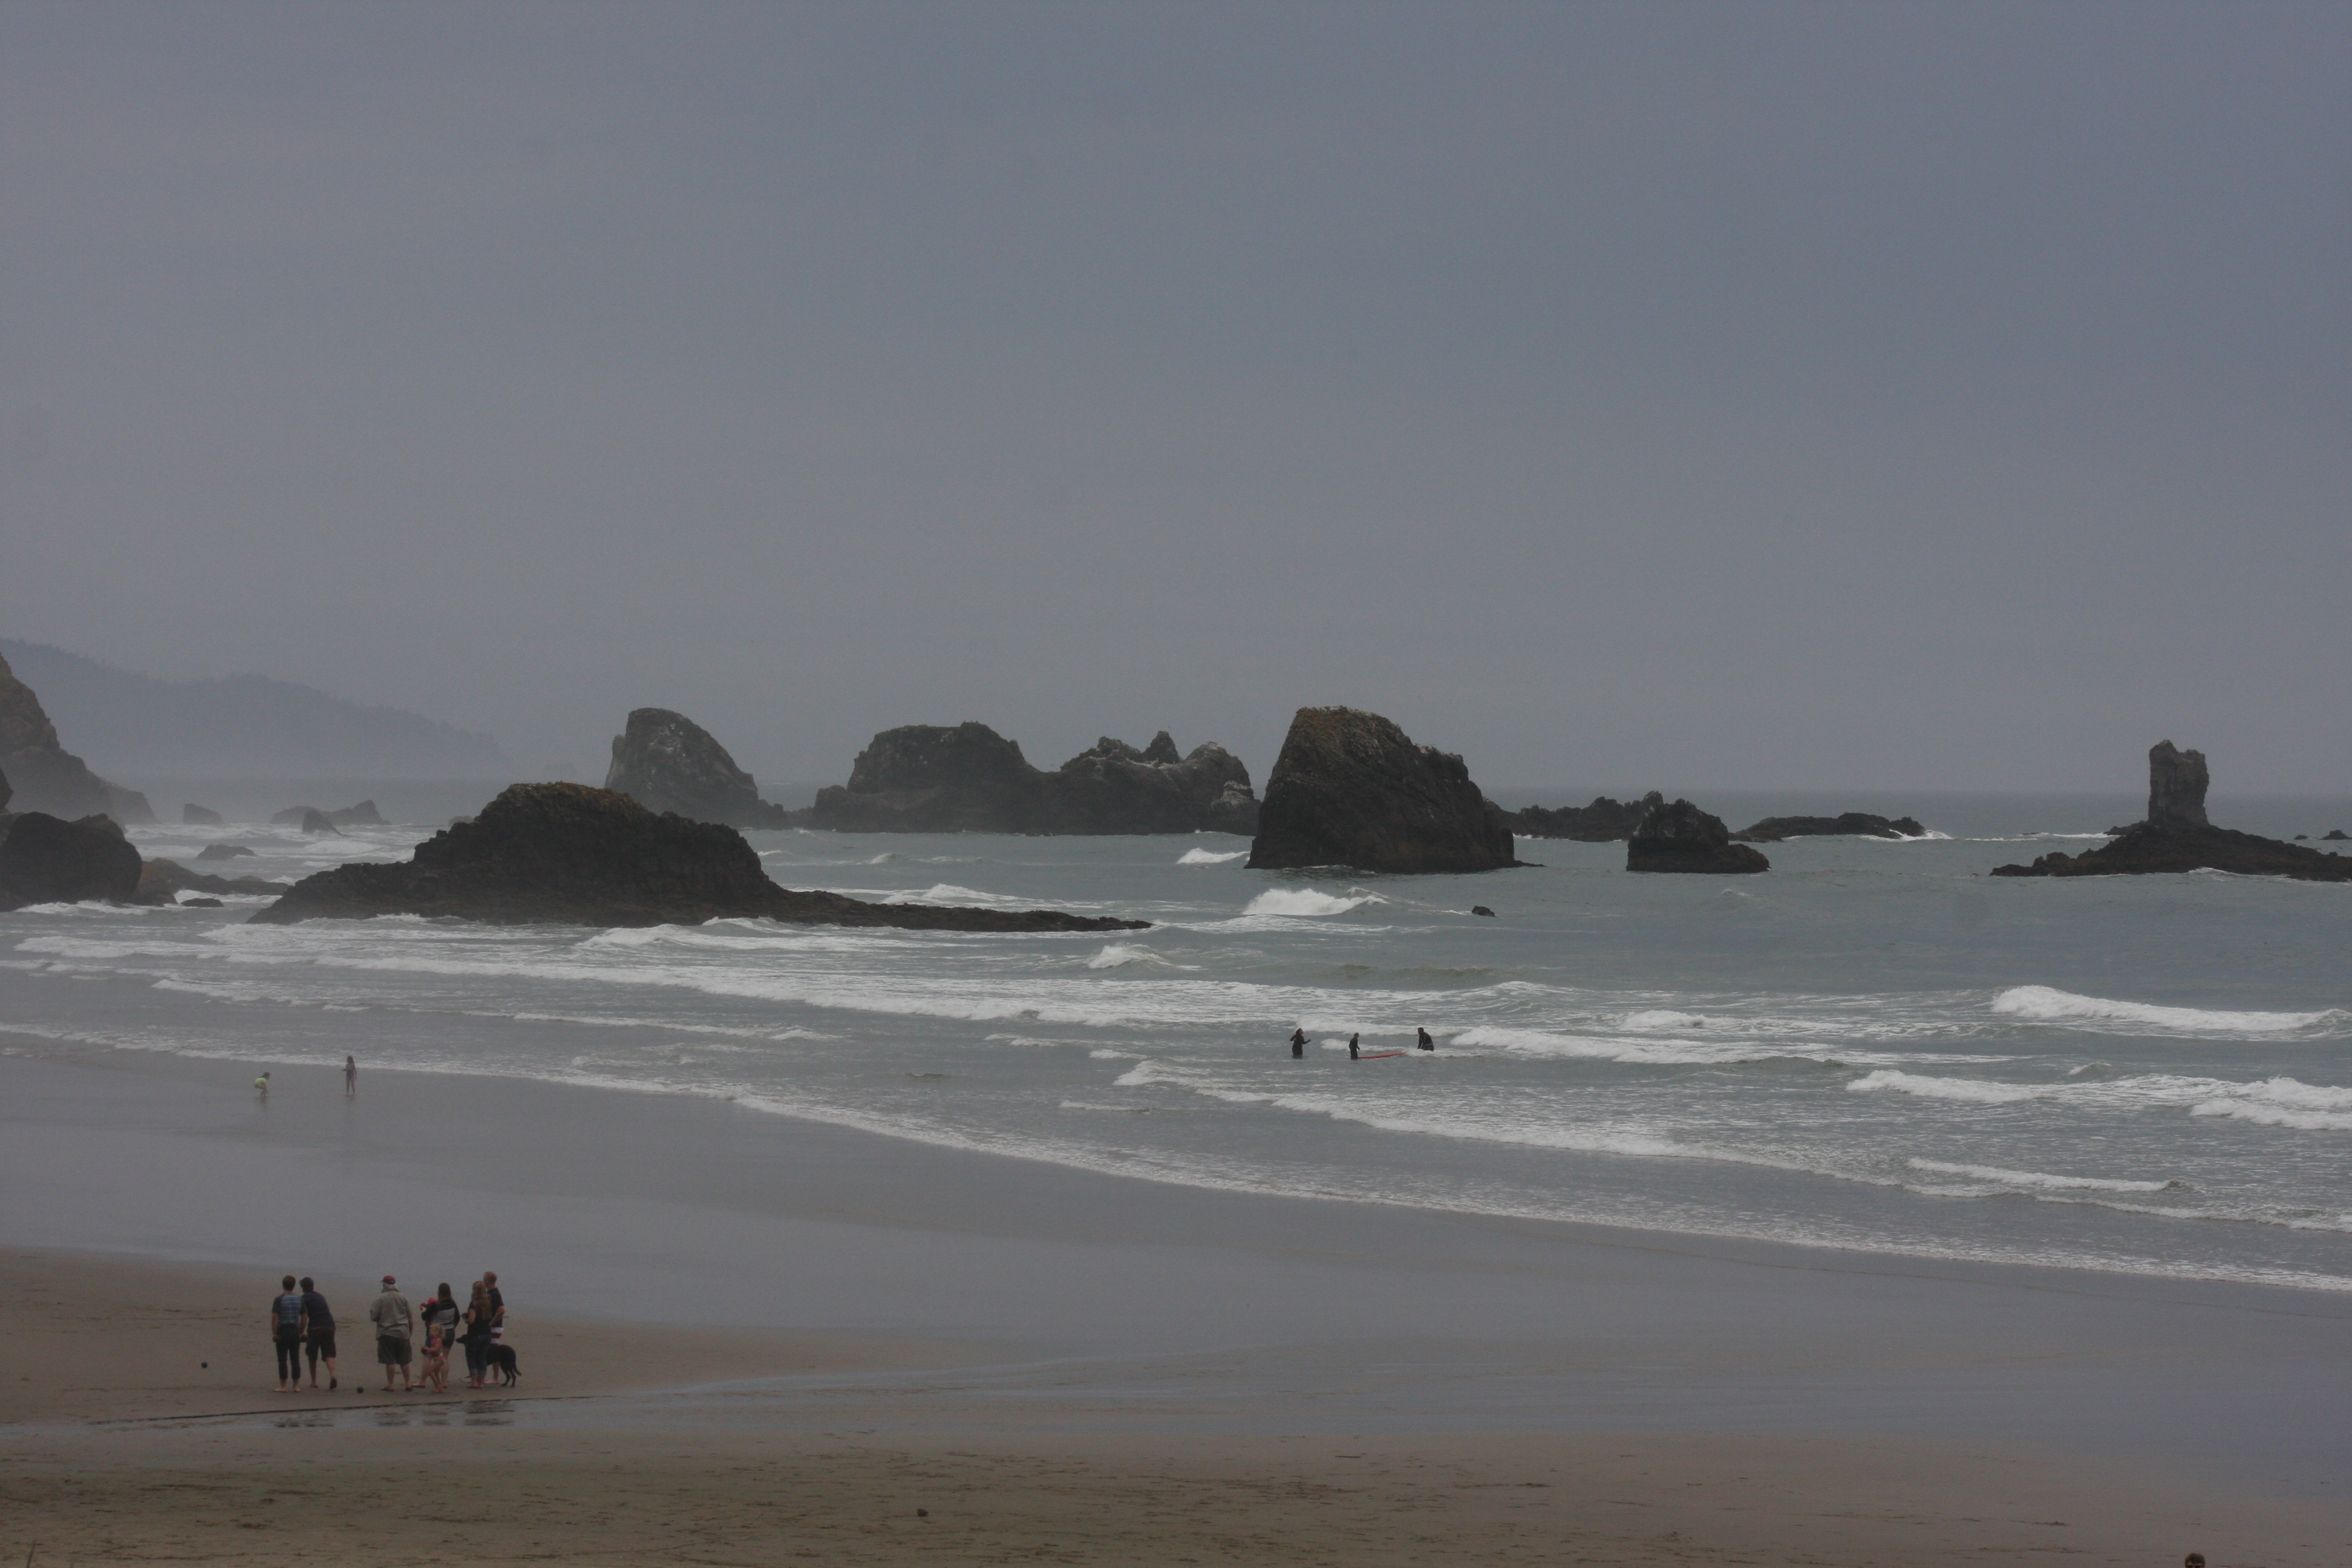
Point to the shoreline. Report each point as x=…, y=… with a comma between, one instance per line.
x=1806, y=1252
x=788, y=1335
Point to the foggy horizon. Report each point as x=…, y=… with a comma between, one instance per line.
x=1803, y=397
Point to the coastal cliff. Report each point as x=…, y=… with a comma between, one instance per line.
x=47, y=777
x=45, y=860
x=568, y=855
x=967, y=778
x=665, y=761
x=1352, y=789
x=2176, y=835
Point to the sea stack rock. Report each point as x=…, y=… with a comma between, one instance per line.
x=1352, y=789
x=2178, y=838
x=194, y=816
x=665, y=761
x=967, y=778
x=45, y=860
x=1601, y=822
x=2177, y=781
x=1681, y=837
x=567, y=855
x=49, y=778
x=363, y=814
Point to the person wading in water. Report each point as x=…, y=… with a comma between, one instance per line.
x=1298, y=1044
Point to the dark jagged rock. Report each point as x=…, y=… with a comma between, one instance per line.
x=2178, y=838
x=47, y=861
x=666, y=762
x=49, y=778
x=159, y=879
x=1482, y=910
x=931, y=778
x=363, y=814
x=568, y=855
x=194, y=816
x=308, y=818
x=2335, y=834
x=1681, y=837
x=2177, y=781
x=1603, y=821
x=1352, y=789
x=1849, y=825
x=200, y=903
x=222, y=851
x=6, y=794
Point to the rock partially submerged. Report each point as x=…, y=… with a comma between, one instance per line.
x=222, y=851
x=1679, y=836
x=311, y=819
x=194, y=815
x=665, y=761
x=1352, y=789
x=967, y=778
x=1849, y=825
x=45, y=859
x=49, y=778
x=160, y=880
x=2177, y=836
x=1601, y=822
x=568, y=855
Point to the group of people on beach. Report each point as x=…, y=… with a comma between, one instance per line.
x=1420, y=1042
x=301, y=1322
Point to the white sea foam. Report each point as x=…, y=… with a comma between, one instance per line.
x=1969, y=1089
x=2037, y=1179
x=2044, y=1004
x=1306, y=902
x=1210, y=857
x=1661, y=1018
x=1119, y=954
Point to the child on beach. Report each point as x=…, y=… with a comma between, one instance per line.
x=432, y=1373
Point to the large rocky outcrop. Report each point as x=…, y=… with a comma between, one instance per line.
x=194, y=815
x=1846, y=825
x=933, y=778
x=1679, y=836
x=1352, y=789
x=45, y=860
x=666, y=762
x=568, y=855
x=308, y=818
x=1600, y=823
x=2177, y=836
x=49, y=778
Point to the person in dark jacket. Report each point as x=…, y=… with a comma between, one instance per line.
x=318, y=1332
x=286, y=1333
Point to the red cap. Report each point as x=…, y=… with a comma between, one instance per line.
x=387, y=1278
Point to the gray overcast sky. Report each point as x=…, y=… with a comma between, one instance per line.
x=1878, y=395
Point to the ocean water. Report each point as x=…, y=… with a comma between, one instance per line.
x=1873, y=1047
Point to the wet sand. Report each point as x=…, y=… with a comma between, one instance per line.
x=748, y=1339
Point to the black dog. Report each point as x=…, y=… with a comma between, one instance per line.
x=501, y=1359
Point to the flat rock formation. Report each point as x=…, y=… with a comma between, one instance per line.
x=2177, y=836
x=1679, y=836
x=159, y=880
x=2333, y=834
x=1352, y=789
x=45, y=860
x=1848, y=824
x=967, y=778
x=222, y=851
x=49, y=778
x=568, y=855
x=194, y=815
x=1600, y=823
x=666, y=762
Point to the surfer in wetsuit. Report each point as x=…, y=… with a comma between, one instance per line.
x=1353, y=1054
x=1298, y=1044
x=1422, y=1041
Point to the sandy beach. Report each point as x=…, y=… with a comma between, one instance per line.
x=751, y=1339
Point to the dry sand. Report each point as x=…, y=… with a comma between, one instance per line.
x=94, y=1351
